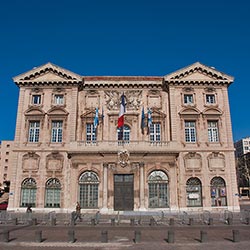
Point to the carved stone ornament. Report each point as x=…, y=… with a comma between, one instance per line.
x=133, y=99
x=123, y=158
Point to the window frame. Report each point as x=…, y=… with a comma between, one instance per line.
x=57, y=131
x=186, y=99
x=88, y=185
x=155, y=132
x=53, y=188
x=58, y=99
x=190, y=131
x=213, y=132
x=34, y=132
x=210, y=99
x=36, y=99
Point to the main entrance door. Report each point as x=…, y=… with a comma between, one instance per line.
x=123, y=192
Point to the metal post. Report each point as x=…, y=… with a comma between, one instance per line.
x=137, y=236
x=6, y=235
x=104, y=238
x=170, y=236
x=203, y=236
x=72, y=219
x=236, y=235
x=71, y=236
x=38, y=236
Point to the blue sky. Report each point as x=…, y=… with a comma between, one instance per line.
x=132, y=37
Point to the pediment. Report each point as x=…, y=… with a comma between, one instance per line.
x=57, y=112
x=47, y=73
x=89, y=113
x=198, y=73
x=34, y=112
x=190, y=111
x=156, y=112
x=212, y=111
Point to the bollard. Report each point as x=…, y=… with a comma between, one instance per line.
x=104, y=238
x=229, y=221
x=112, y=221
x=6, y=235
x=72, y=219
x=71, y=236
x=203, y=236
x=38, y=236
x=170, y=236
x=14, y=221
x=53, y=222
x=171, y=221
x=93, y=221
x=132, y=222
x=191, y=221
x=97, y=217
x=137, y=236
x=236, y=235
x=210, y=221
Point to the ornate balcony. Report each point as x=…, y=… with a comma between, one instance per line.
x=135, y=146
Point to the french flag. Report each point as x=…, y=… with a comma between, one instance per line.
x=121, y=113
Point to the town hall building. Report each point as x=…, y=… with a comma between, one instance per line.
x=173, y=151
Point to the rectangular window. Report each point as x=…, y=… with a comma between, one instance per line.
x=210, y=99
x=58, y=99
x=56, y=131
x=90, y=132
x=213, y=133
x=36, y=99
x=34, y=131
x=190, y=131
x=188, y=99
x=155, y=132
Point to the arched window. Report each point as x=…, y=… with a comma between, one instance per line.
x=52, y=193
x=28, y=192
x=88, y=190
x=158, y=189
x=218, y=192
x=123, y=134
x=194, y=192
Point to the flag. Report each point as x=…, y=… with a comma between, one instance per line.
x=96, y=119
x=149, y=119
x=121, y=113
x=142, y=120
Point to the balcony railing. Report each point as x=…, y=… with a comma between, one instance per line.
x=130, y=145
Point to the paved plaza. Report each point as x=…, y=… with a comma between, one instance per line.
x=129, y=234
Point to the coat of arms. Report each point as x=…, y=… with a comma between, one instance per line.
x=123, y=158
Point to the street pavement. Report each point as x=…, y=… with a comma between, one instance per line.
x=179, y=236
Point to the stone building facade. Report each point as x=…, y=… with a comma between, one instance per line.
x=175, y=151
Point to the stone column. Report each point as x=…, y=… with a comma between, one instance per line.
x=105, y=187
x=142, y=194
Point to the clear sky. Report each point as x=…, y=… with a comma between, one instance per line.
x=132, y=37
